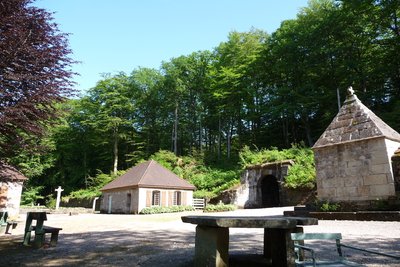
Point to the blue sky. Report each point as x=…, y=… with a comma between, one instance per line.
x=121, y=35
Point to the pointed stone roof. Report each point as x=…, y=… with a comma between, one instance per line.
x=149, y=174
x=355, y=122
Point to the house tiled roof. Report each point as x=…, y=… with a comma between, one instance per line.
x=355, y=122
x=149, y=174
x=9, y=173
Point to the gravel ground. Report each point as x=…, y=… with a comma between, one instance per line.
x=163, y=240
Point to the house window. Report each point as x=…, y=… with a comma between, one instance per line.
x=177, y=198
x=155, y=198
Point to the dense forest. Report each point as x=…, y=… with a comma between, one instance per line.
x=254, y=91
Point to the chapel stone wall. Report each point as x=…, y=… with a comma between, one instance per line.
x=356, y=171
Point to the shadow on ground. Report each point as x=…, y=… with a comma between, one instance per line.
x=158, y=248
x=109, y=248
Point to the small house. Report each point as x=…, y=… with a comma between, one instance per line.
x=11, y=182
x=353, y=157
x=145, y=185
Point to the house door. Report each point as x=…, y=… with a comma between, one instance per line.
x=269, y=192
x=128, y=202
x=109, y=204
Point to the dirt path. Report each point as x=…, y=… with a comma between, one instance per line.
x=163, y=240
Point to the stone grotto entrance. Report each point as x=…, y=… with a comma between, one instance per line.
x=269, y=189
x=261, y=185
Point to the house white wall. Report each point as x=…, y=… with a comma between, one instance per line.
x=139, y=199
x=166, y=197
x=10, y=197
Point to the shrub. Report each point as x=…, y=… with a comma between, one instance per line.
x=31, y=195
x=219, y=207
x=329, y=207
x=159, y=209
x=95, y=184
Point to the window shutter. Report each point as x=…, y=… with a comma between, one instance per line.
x=148, y=198
x=163, y=198
x=184, y=198
x=170, y=198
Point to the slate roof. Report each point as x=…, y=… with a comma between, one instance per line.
x=149, y=174
x=355, y=122
x=9, y=173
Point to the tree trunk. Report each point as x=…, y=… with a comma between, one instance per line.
x=115, y=149
x=228, y=142
x=200, y=136
x=175, y=136
x=85, y=167
x=219, y=138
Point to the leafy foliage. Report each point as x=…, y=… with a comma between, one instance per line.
x=94, y=185
x=209, y=181
x=329, y=207
x=31, y=195
x=159, y=209
x=34, y=73
x=219, y=207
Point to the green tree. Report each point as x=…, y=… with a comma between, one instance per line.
x=110, y=110
x=234, y=91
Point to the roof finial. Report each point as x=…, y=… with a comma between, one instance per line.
x=350, y=91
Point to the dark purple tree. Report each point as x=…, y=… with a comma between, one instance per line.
x=35, y=72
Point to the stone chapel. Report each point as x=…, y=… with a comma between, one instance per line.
x=353, y=157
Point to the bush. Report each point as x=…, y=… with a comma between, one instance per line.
x=95, y=184
x=159, y=209
x=209, y=181
x=31, y=195
x=219, y=207
x=329, y=207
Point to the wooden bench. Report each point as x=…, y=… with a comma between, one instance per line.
x=40, y=230
x=340, y=260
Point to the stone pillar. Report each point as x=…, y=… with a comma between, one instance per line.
x=211, y=248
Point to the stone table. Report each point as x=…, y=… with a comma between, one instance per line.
x=212, y=237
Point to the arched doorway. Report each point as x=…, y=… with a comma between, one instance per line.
x=269, y=192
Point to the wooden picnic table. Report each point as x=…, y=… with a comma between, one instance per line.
x=212, y=237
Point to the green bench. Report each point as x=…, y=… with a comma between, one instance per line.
x=6, y=225
x=300, y=250
x=40, y=230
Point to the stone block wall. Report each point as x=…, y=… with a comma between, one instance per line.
x=119, y=201
x=356, y=171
